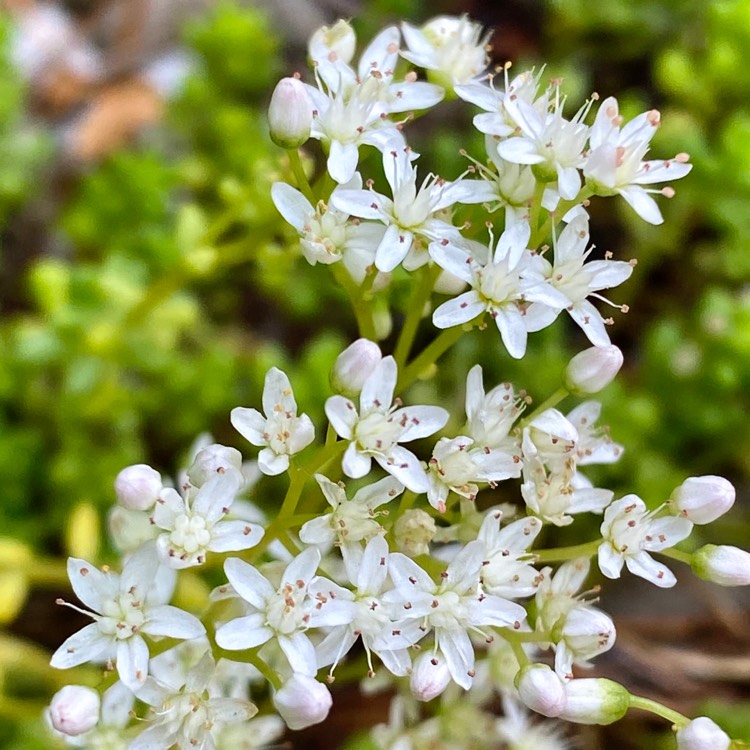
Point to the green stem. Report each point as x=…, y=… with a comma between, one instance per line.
x=548, y=403
x=430, y=354
x=677, y=554
x=359, y=301
x=560, y=554
x=646, y=704
x=299, y=175
x=417, y=300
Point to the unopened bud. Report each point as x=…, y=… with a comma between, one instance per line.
x=722, y=564
x=702, y=734
x=703, y=499
x=302, y=701
x=429, y=676
x=353, y=366
x=137, y=487
x=592, y=369
x=290, y=114
x=595, y=701
x=541, y=690
x=414, y=531
x=212, y=460
x=74, y=710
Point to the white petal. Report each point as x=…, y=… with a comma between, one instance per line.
x=422, y=421
x=173, y=622
x=459, y=654
x=272, y=464
x=232, y=536
x=342, y=414
x=643, y=204
x=248, y=582
x=404, y=465
x=378, y=389
x=250, y=423
x=354, y=463
x=519, y=151
x=366, y=204
x=591, y=322
x=510, y=323
x=643, y=565
x=88, y=644
x=342, y=161
x=300, y=652
x=393, y=248
x=243, y=632
x=90, y=584
x=291, y=204
x=610, y=562
x=132, y=661
x=453, y=259
x=373, y=569
x=459, y=310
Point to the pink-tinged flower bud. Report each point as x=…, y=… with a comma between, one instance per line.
x=722, y=564
x=702, y=499
x=290, y=114
x=414, y=531
x=74, y=710
x=353, y=366
x=214, y=459
x=592, y=369
x=429, y=676
x=137, y=487
x=702, y=734
x=595, y=701
x=541, y=690
x=302, y=701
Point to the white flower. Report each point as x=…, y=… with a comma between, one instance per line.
x=702, y=734
x=376, y=430
x=124, y=608
x=283, y=614
x=302, y=701
x=549, y=141
x=184, y=710
x=630, y=532
x=452, y=48
x=414, y=531
x=577, y=280
x=520, y=733
x=352, y=521
x=508, y=571
x=449, y=609
x=613, y=164
x=594, y=444
x=281, y=431
x=500, y=280
x=580, y=631
x=703, y=499
x=326, y=234
x=369, y=615
x=412, y=217
x=194, y=524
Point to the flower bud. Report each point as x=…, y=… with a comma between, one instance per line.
x=137, y=487
x=129, y=529
x=595, y=701
x=414, y=531
x=429, y=676
x=703, y=499
x=302, y=701
x=702, y=734
x=722, y=564
x=74, y=710
x=213, y=459
x=353, y=366
x=592, y=369
x=541, y=690
x=290, y=114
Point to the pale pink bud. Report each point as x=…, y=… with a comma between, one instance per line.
x=214, y=459
x=702, y=734
x=541, y=690
x=302, y=701
x=353, y=366
x=592, y=369
x=290, y=114
x=429, y=676
x=137, y=487
x=595, y=701
x=703, y=499
x=722, y=564
x=74, y=710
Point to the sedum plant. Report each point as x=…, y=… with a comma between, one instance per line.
x=419, y=530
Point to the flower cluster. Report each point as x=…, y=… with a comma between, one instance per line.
x=404, y=549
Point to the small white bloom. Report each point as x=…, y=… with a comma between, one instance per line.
x=613, y=165
x=414, y=531
x=499, y=280
x=703, y=499
x=594, y=444
x=520, y=733
x=137, y=487
x=74, y=709
x=376, y=430
x=630, y=532
x=281, y=431
x=194, y=524
x=302, y=701
x=702, y=734
x=352, y=520
x=722, y=564
x=452, y=49
x=577, y=280
x=124, y=607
